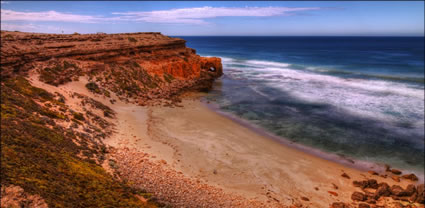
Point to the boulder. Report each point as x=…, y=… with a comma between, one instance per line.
x=411, y=177
x=397, y=190
x=358, y=196
x=372, y=172
x=387, y=168
x=339, y=205
x=372, y=183
x=395, y=178
x=421, y=194
x=383, y=190
x=345, y=175
x=395, y=171
x=410, y=190
x=361, y=184
x=364, y=205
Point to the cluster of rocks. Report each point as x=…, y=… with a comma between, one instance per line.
x=372, y=191
x=411, y=193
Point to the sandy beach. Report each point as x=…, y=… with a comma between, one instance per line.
x=207, y=146
x=192, y=143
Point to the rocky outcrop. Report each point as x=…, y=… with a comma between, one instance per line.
x=149, y=62
x=411, y=193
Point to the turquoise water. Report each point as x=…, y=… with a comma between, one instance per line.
x=362, y=97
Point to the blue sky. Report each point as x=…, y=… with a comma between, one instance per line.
x=364, y=18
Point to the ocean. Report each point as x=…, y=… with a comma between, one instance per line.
x=359, y=97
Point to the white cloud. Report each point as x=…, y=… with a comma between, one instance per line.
x=197, y=15
x=180, y=16
x=52, y=16
x=30, y=28
x=13, y=27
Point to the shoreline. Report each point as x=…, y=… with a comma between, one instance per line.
x=223, y=153
x=346, y=161
x=157, y=146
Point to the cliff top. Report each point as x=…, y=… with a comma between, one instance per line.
x=17, y=44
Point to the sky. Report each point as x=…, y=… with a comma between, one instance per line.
x=218, y=18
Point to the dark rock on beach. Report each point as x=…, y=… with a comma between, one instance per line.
x=358, y=196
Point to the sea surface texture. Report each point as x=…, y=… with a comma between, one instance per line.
x=362, y=97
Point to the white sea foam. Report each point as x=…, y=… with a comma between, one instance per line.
x=266, y=63
x=379, y=99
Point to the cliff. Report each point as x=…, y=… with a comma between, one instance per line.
x=127, y=64
x=52, y=150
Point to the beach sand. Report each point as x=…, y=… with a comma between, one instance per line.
x=201, y=145
x=205, y=145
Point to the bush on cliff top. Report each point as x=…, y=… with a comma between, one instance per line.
x=44, y=160
x=131, y=39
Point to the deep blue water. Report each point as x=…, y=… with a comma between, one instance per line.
x=362, y=97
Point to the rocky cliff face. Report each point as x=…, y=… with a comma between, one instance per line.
x=152, y=64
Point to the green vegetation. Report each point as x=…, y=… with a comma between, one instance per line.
x=60, y=73
x=131, y=39
x=8, y=37
x=129, y=79
x=45, y=160
x=93, y=87
x=78, y=116
x=168, y=77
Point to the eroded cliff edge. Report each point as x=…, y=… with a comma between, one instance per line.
x=52, y=149
x=136, y=66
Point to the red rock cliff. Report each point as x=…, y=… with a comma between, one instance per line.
x=107, y=57
x=157, y=53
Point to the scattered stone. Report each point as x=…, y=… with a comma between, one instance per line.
x=358, y=196
x=372, y=183
x=361, y=184
x=410, y=190
x=372, y=172
x=333, y=193
x=371, y=201
x=395, y=178
x=421, y=194
x=387, y=168
x=398, y=190
x=339, y=205
x=395, y=171
x=383, y=190
x=345, y=175
x=305, y=198
x=411, y=177
x=363, y=205
x=335, y=186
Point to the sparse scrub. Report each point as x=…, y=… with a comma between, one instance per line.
x=131, y=39
x=168, y=77
x=93, y=87
x=45, y=161
x=60, y=73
